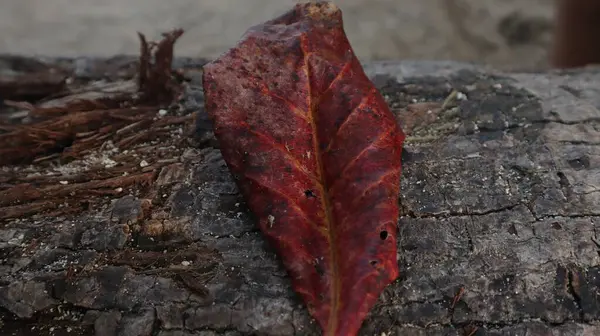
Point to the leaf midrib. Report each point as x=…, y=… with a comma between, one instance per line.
x=325, y=200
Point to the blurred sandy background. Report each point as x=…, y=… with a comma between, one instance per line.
x=504, y=33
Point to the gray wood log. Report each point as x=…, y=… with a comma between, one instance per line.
x=501, y=207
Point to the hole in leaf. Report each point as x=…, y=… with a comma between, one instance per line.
x=309, y=193
x=373, y=262
x=383, y=235
x=319, y=269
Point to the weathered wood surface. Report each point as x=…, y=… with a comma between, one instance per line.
x=500, y=198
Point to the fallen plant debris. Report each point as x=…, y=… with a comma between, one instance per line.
x=104, y=127
x=156, y=82
x=316, y=153
x=29, y=80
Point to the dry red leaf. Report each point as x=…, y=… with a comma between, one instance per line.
x=316, y=153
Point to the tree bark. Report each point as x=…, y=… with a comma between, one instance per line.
x=498, y=234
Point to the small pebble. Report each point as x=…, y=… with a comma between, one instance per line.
x=162, y=112
x=144, y=163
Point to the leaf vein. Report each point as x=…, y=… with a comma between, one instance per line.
x=295, y=109
x=342, y=72
x=332, y=324
x=286, y=154
x=358, y=156
x=290, y=200
x=348, y=117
